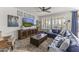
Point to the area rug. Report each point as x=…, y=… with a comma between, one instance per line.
x=25, y=46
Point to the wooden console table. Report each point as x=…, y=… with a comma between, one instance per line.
x=22, y=34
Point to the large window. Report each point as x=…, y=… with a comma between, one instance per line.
x=49, y=23
x=58, y=22
x=46, y=23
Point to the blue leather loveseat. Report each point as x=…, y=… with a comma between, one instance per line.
x=53, y=33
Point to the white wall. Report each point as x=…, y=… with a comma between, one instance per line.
x=4, y=12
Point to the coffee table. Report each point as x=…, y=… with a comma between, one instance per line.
x=38, y=39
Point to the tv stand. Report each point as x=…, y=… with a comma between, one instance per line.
x=22, y=34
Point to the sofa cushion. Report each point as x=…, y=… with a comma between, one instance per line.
x=59, y=40
x=73, y=39
x=73, y=48
x=58, y=37
x=65, y=44
x=55, y=41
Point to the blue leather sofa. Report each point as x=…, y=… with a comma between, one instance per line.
x=69, y=44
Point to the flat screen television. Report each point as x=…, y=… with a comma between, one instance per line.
x=28, y=22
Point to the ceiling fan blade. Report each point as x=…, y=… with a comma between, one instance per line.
x=48, y=8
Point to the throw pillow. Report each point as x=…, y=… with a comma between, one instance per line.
x=60, y=42
x=50, y=31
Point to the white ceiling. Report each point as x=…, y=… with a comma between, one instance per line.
x=37, y=11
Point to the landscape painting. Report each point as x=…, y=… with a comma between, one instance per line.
x=28, y=22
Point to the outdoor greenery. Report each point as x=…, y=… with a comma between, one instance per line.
x=26, y=24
